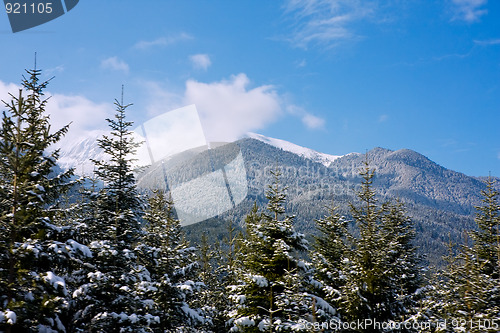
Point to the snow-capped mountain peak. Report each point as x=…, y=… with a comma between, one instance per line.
x=325, y=159
x=79, y=154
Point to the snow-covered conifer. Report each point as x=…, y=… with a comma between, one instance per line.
x=107, y=299
x=380, y=267
x=467, y=291
x=271, y=293
x=172, y=265
x=35, y=252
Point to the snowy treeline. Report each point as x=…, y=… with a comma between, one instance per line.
x=112, y=260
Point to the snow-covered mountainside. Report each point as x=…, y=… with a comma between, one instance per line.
x=79, y=154
x=313, y=155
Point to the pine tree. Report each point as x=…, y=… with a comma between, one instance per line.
x=225, y=274
x=211, y=297
x=171, y=261
x=407, y=278
x=107, y=298
x=467, y=292
x=487, y=237
x=271, y=293
x=330, y=250
x=381, y=268
x=35, y=253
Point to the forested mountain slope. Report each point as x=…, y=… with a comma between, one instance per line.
x=440, y=201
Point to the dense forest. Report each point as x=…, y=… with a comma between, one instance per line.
x=100, y=255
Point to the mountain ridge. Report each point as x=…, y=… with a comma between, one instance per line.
x=440, y=201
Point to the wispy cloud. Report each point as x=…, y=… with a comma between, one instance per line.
x=469, y=10
x=54, y=70
x=325, y=22
x=313, y=122
x=115, y=64
x=487, y=42
x=453, y=55
x=163, y=41
x=309, y=120
x=200, y=61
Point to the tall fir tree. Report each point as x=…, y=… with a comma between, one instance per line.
x=381, y=268
x=487, y=237
x=35, y=253
x=211, y=298
x=271, y=293
x=466, y=294
x=329, y=251
x=172, y=265
x=107, y=299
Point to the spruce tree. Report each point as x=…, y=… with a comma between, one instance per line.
x=214, y=275
x=107, y=298
x=329, y=251
x=223, y=275
x=466, y=294
x=172, y=265
x=487, y=237
x=271, y=293
x=381, y=268
x=35, y=252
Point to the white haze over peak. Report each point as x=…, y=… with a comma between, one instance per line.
x=229, y=108
x=325, y=159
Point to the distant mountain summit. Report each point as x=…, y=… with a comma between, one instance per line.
x=79, y=154
x=308, y=153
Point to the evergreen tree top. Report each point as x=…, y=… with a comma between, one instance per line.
x=276, y=194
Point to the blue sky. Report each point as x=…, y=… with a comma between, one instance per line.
x=336, y=76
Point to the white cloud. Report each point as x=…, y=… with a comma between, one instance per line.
x=313, y=122
x=5, y=89
x=163, y=41
x=228, y=108
x=309, y=120
x=325, y=22
x=115, y=64
x=200, y=61
x=84, y=115
x=469, y=10
x=53, y=71
x=160, y=98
